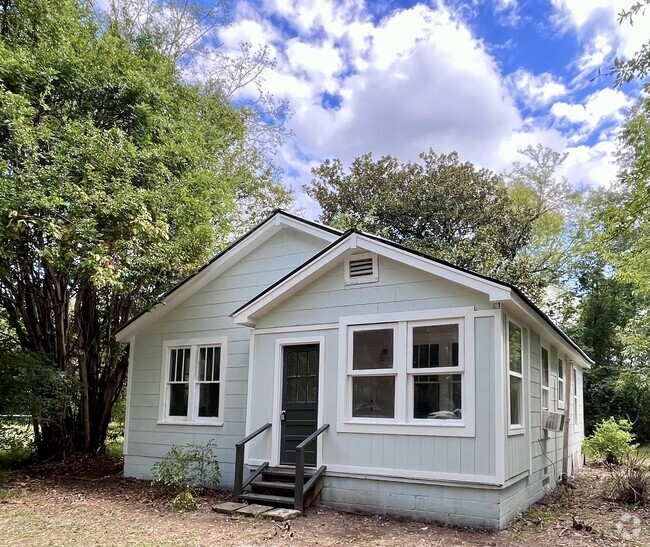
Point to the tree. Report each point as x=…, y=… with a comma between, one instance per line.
x=441, y=206
x=187, y=32
x=116, y=180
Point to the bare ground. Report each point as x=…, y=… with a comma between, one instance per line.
x=88, y=502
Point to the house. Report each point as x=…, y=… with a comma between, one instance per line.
x=433, y=391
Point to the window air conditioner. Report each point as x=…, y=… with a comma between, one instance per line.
x=553, y=421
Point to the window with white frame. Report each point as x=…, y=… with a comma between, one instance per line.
x=192, y=381
x=575, y=399
x=560, y=383
x=406, y=372
x=515, y=376
x=546, y=394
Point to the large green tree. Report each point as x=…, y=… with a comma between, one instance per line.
x=116, y=179
x=441, y=206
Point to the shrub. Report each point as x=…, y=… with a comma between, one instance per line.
x=611, y=442
x=186, y=470
x=631, y=481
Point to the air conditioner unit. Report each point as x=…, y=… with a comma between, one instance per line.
x=553, y=421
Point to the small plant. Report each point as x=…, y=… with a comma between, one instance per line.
x=611, y=442
x=631, y=481
x=185, y=471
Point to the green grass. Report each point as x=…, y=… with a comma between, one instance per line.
x=644, y=451
x=116, y=447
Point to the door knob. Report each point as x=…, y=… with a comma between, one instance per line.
x=283, y=415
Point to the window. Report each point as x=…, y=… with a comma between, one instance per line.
x=372, y=374
x=407, y=372
x=515, y=376
x=546, y=396
x=575, y=399
x=437, y=395
x=193, y=374
x=560, y=383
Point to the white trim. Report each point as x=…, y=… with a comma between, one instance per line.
x=129, y=383
x=402, y=322
x=230, y=257
x=296, y=328
x=280, y=343
x=499, y=397
x=192, y=417
x=380, y=472
x=519, y=428
x=302, y=277
x=249, y=392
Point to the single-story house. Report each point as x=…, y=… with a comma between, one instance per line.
x=435, y=393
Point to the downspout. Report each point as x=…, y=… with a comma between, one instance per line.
x=567, y=421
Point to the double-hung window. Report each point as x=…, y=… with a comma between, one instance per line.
x=515, y=377
x=546, y=392
x=193, y=376
x=407, y=374
x=560, y=383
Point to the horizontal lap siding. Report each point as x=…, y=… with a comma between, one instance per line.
x=400, y=288
x=205, y=314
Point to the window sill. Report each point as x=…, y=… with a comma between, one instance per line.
x=430, y=428
x=516, y=430
x=560, y=406
x=212, y=423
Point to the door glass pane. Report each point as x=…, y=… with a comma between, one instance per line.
x=178, y=399
x=372, y=349
x=514, y=343
x=209, y=400
x=373, y=397
x=515, y=400
x=435, y=346
x=292, y=364
x=437, y=397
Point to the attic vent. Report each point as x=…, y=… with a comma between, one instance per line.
x=361, y=268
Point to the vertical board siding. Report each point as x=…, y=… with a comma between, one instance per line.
x=201, y=315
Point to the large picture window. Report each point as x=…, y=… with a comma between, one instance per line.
x=407, y=372
x=192, y=381
x=515, y=376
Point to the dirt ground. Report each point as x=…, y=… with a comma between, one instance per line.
x=88, y=502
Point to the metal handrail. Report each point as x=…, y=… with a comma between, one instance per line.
x=300, y=467
x=238, y=488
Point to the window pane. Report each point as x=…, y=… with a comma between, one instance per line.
x=373, y=397
x=172, y=365
x=437, y=397
x=178, y=399
x=514, y=343
x=544, y=367
x=372, y=349
x=515, y=400
x=186, y=364
x=545, y=398
x=435, y=346
x=209, y=400
x=560, y=369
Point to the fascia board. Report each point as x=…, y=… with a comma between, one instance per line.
x=214, y=270
x=355, y=241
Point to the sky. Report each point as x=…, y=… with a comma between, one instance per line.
x=484, y=78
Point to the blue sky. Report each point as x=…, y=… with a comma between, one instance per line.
x=484, y=78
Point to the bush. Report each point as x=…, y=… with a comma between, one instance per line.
x=611, y=442
x=186, y=470
x=631, y=481
x=16, y=441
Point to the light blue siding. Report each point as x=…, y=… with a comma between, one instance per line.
x=205, y=314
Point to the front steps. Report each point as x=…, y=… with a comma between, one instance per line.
x=276, y=486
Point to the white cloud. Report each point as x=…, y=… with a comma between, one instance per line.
x=536, y=89
x=605, y=105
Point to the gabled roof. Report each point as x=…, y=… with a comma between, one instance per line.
x=220, y=263
x=327, y=258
